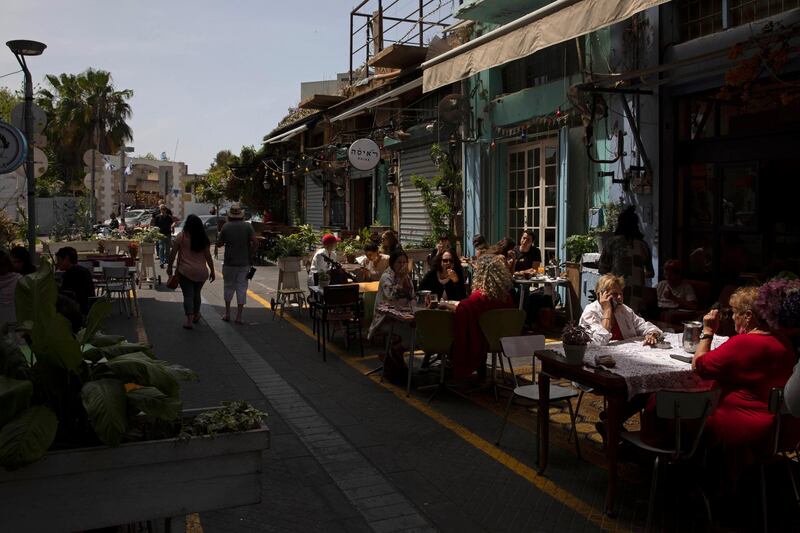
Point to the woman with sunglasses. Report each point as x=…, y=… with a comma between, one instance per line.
x=446, y=278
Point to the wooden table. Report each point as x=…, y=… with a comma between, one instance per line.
x=605, y=383
x=639, y=370
x=550, y=285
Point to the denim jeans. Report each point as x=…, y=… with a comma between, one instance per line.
x=191, y=295
x=164, y=246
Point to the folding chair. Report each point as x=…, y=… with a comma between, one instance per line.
x=433, y=334
x=495, y=325
x=677, y=406
x=117, y=282
x=526, y=346
x=340, y=303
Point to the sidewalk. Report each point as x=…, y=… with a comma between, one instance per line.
x=349, y=453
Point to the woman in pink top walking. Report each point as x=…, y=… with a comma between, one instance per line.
x=193, y=250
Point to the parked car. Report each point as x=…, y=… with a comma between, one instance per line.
x=137, y=217
x=209, y=222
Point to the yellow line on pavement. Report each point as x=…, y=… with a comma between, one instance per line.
x=547, y=486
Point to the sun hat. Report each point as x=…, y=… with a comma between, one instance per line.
x=329, y=238
x=235, y=212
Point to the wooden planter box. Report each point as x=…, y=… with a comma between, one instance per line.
x=89, y=488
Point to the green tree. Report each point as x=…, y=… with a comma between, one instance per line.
x=84, y=110
x=8, y=100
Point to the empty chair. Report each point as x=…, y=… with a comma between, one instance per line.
x=526, y=346
x=117, y=283
x=340, y=303
x=495, y=325
x=677, y=406
x=434, y=336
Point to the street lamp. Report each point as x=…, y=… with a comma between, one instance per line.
x=20, y=49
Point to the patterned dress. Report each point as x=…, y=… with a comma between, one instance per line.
x=631, y=259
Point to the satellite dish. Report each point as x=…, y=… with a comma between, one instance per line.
x=39, y=162
x=454, y=108
x=98, y=159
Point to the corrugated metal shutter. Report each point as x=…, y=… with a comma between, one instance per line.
x=314, y=201
x=414, y=220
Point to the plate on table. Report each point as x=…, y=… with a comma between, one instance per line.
x=663, y=345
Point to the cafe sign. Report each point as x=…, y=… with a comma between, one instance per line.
x=364, y=154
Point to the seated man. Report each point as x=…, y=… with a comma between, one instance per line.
x=609, y=319
x=374, y=263
x=76, y=281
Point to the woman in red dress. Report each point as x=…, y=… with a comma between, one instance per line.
x=491, y=289
x=745, y=368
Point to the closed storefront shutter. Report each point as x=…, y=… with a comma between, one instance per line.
x=314, y=200
x=414, y=219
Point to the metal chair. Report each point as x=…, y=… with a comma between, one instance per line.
x=339, y=303
x=677, y=406
x=495, y=325
x=117, y=282
x=433, y=334
x=526, y=346
x=778, y=408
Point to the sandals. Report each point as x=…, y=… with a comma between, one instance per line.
x=226, y=318
x=196, y=318
x=187, y=326
x=238, y=321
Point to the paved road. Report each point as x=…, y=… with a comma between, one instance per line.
x=350, y=453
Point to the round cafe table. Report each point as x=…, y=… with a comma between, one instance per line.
x=550, y=285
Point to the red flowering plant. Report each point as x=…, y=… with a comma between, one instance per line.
x=778, y=303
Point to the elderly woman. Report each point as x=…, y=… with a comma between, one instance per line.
x=491, y=289
x=609, y=319
x=745, y=368
x=395, y=286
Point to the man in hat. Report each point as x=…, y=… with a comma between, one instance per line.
x=239, y=239
x=323, y=258
x=163, y=221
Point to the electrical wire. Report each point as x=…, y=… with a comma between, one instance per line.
x=11, y=73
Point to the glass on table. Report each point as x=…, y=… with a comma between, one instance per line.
x=433, y=301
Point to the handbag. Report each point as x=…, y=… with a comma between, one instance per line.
x=174, y=280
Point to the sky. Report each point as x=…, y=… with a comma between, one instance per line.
x=208, y=75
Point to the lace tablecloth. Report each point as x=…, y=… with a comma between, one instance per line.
x=646, y=369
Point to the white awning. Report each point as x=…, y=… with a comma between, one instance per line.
x=285, y=136
x=555, y=23
x=382, y=99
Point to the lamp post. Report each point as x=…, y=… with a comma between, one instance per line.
x=20, y=49
x=122, y=181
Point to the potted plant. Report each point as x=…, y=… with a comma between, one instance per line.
x=575, y=338
x=605, y=231
x=79, y=410
x=133, y=249
x=577, y=245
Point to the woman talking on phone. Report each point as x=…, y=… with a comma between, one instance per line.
x=609, y=319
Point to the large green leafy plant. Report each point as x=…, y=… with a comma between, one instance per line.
x=62, y=390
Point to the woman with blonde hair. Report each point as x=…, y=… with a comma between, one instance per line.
x=491, y=289
x=609, y=319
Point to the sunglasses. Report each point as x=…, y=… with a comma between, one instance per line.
x=447, y=260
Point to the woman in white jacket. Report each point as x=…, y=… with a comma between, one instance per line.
x=609, y=319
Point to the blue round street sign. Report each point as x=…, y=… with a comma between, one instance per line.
x=13, y=148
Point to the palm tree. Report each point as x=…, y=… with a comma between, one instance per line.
x=84, y=111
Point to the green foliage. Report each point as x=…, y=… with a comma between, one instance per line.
x=297, y=244
x=83, y=111
x=75, y=390
x=611, y=211
x=441, y=193
x=26, y=438
x=428, y=241
x=9, y=230
x=578, y=245
x=8, y=101
x=232, y=417
x=150, y=235
x=106, y=405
